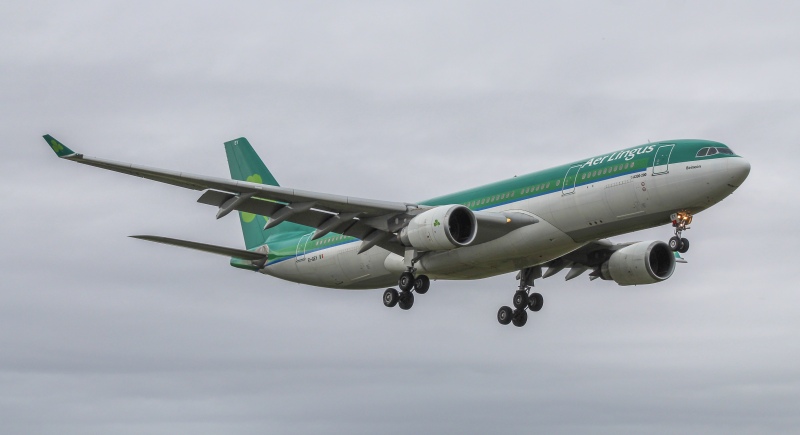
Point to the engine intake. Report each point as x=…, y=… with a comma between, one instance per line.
x=440, y=229
x=640, y=263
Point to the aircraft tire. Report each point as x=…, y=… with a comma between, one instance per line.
x=520, y=299
x=421, y=284
x=684, y=246
x=519, y=318
x=675, y=243
x=537, y=302
x=406, y=281
x=504, y=315
x=390, y=297
x=406, y=300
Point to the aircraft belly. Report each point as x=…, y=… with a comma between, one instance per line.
x=336, y=267
x=526, y=246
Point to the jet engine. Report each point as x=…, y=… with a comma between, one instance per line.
x=640, y=263
x=440, y=229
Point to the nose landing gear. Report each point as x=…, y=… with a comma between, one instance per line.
x=680, y=221
x=523, y=299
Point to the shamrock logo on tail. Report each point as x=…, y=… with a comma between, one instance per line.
x=57, y=147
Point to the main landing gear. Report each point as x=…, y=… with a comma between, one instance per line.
x=523, y=299
x=407, y=283
x=680, y=221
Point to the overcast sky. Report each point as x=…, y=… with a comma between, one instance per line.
x=100, y=333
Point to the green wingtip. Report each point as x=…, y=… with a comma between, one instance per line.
x=60, y=149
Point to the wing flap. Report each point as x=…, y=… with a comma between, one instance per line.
x=351, y=226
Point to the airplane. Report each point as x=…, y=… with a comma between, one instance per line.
x=558, y=218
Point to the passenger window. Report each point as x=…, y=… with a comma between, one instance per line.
x=548, y=184
x=583, y=176
x=558, y=182
x=632, y=164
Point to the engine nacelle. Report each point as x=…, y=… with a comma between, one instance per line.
x=440, y=229
x=640, y=263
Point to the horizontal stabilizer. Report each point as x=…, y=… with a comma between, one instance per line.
x=214, y=249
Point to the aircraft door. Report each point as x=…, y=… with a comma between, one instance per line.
x=300, y=254
x=569, y=180
x=661, y=161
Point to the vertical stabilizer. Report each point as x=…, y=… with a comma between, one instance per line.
x=245, y=165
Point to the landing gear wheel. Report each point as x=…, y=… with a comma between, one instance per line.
x=406, y=300
x=536, y=302
x=520, y=299
x=684, y=246
x=520, y=317
x=675, y=243
x=504, y=315
x=422, y=284
x=390, y=297
x=406, y=281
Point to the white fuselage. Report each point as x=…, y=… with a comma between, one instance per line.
x=568, y=219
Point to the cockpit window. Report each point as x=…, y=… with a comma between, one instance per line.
x=710, y=151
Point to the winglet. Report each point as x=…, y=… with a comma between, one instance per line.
x=60, y=149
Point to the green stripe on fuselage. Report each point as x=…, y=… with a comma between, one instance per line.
x=630, y=160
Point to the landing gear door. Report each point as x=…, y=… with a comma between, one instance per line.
x=569, y=180
x=661, y=161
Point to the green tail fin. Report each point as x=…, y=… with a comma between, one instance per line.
x=60, y=149
x=245, y=165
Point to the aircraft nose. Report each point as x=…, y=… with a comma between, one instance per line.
x=738, y=170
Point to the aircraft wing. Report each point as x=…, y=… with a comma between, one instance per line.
x=372, y=221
